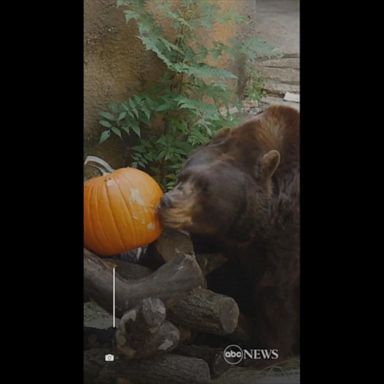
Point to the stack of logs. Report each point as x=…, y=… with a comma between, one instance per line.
x=160, y=312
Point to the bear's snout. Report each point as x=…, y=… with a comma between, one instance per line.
x=165, y=201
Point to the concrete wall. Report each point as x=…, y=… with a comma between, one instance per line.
x=116, y=65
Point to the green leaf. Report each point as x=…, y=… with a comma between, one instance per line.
x=122, y=116
x=163, y=107
x=139, y=148
x=105, y=123
x=169, y=46
x=186, y=147
x=150, y=103
x=179, y=19
x=203, y=71
x=108, y=116
x=104, y=136
x=128, y=109
x=146, y=112
x=125, y=128
x=161, y=140
x=151, y=44
x=129, y=15
x=149, y=156
x=136, y=129
x=116, y=131
x=206, y=71
x=137, y=100
x=201, y=53
x=161, y=155
x=133, y=108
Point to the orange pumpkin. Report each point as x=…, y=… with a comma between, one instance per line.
x=120, y=211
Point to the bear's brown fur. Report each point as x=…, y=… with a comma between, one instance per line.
x=242, y=189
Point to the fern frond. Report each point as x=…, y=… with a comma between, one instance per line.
x=204, y=71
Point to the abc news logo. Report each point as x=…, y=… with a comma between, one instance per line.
x=234, y=354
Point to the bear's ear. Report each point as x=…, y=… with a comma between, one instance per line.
x=269, y=163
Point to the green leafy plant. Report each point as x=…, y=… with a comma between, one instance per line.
x=192, y=99
x=250, y=49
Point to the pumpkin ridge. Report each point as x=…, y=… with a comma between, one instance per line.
x=150, y=206
x=113, y=217
x=142, y=207
x=99, y=243
x=106, y=243
x=132, y=228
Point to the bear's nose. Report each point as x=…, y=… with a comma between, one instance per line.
x=165, y=201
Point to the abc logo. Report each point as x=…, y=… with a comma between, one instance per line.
x=233, y=354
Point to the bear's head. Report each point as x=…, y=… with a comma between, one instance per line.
x=220, y=199
x=225, y=188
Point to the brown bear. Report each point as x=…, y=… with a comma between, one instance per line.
x=242, y=189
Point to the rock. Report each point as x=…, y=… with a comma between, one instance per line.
x=269, y=100
x=283, y=75
x=285, y=62
x=97, y=317
x=280, y=89
x=292, y=97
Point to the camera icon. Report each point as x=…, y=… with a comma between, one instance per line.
x=109, y=357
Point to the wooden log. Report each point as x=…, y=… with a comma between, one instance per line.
x=175, y=278
x=129, y=270
x=240, y=375
x=210, y=261
x=213, y=356
x=126, y=269
x=204, y=311
x=172, y=243
x=163, y=369
x=149, y=257
x=143, y=331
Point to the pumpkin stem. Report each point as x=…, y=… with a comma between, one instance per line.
x=102, y=166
